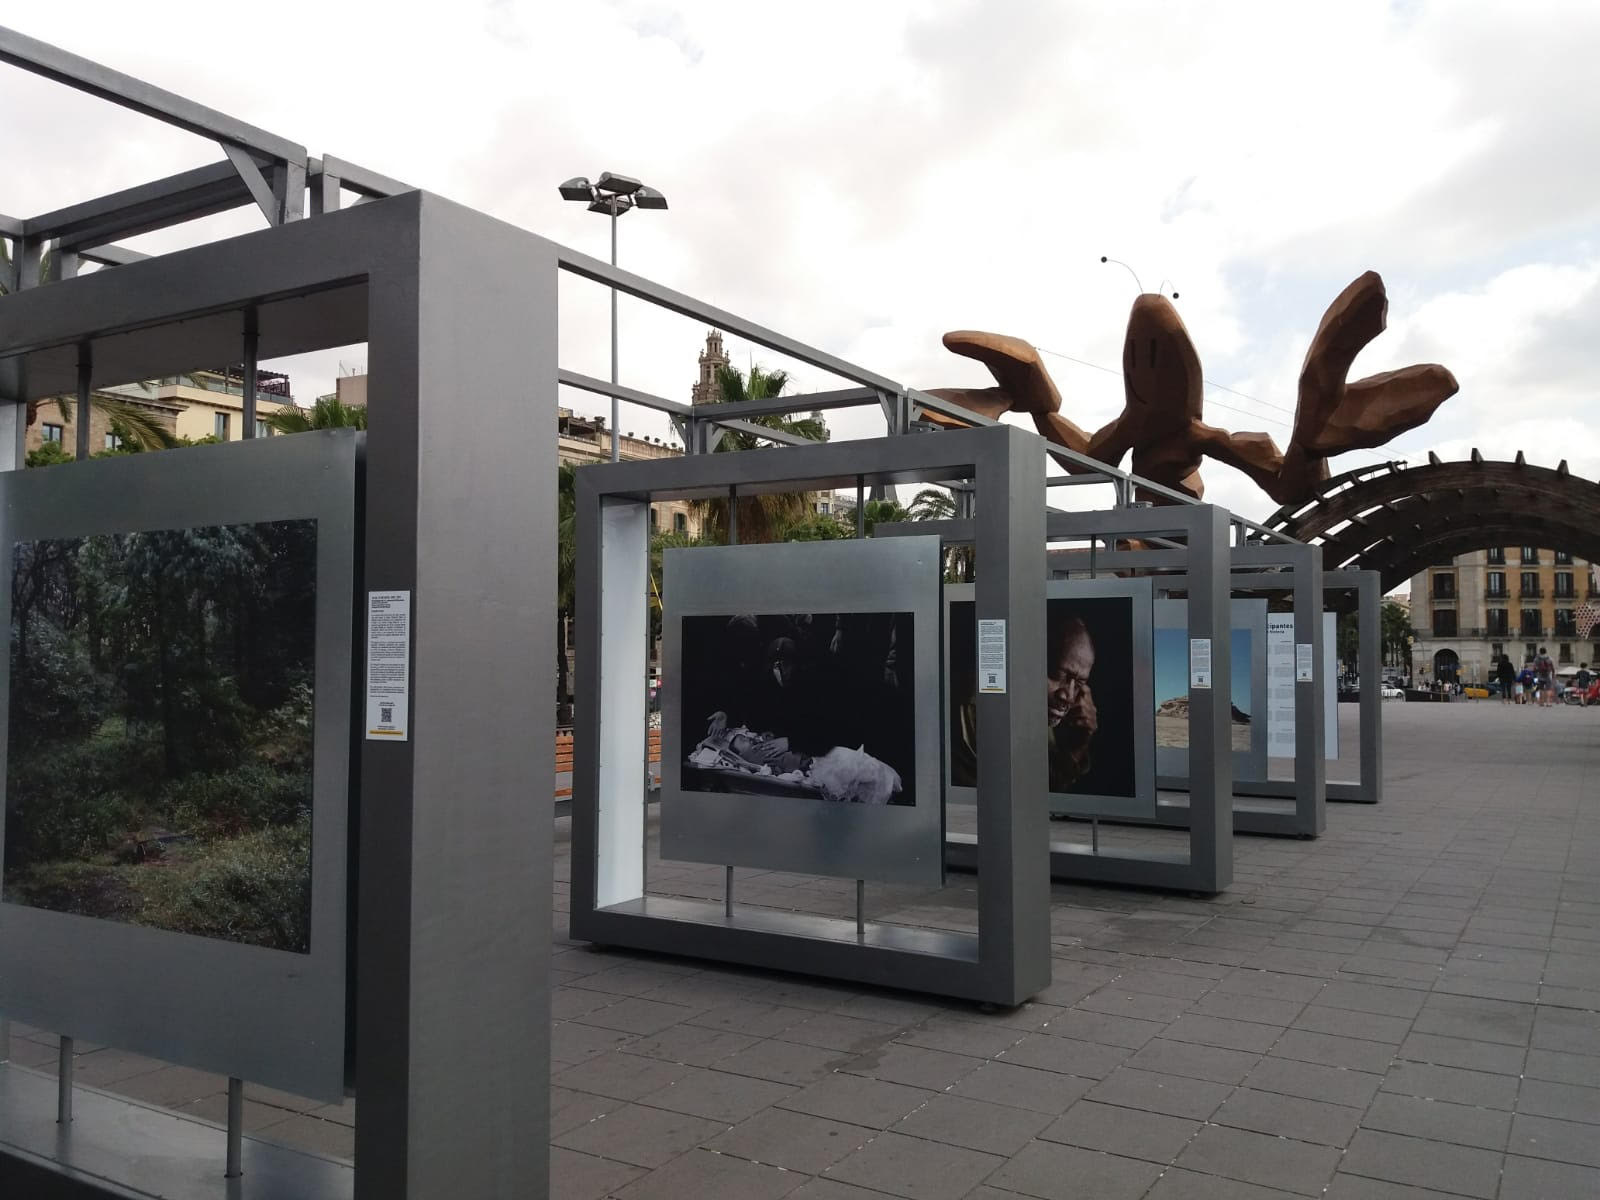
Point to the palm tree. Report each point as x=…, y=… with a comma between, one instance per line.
x=132, y=424
x=761, y=518
x=327, y=413
x=935, y=504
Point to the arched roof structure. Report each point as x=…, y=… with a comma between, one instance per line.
x=1397, y=520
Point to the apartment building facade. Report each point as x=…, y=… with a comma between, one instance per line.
x=1511, y=601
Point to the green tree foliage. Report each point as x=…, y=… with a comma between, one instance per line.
x=161, y=709
x=761, y=518
x=326, y=413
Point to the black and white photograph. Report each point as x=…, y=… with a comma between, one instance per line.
x=814, y=706
x=1088, y=705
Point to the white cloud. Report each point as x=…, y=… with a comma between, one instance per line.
x=866, y=176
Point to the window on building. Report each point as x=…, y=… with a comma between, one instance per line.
x=1565, y=653
x=113, y=442
x=1532, y=626
x=1530, y=650
x=219, y=426
x=1499, y=622
x=653, y=520
x=1444, y=587
x=1563, y=558
x=262, y=428
x=52, y=433
x=1530, y=556
x=1497, y=556
x=1564, y=584
x=1530, y=583
x=1444, y=622
x=1497, y=583
x=1566, y=622
x=823, y=507
x=680, y=523
x=1497, y=651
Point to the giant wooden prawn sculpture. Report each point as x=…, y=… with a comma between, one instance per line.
x=1161, y=424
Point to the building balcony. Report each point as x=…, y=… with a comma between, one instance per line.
x=1496, y=594
x=1531, y=594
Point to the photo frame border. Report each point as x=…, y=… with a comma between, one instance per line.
x=274, y=1017
x=1142, y=804
x=1172, y=762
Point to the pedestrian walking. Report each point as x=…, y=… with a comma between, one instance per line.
x=1544, y=666
x=1507, y=675
x=1581, y=681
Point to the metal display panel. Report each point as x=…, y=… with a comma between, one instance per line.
x=1137, y=798
x=1280, y=725
x=453, y=918
x=1207, y=865
x=1008, y=959
x=1367, y=788
x=274, y=1016
x=1249, y=618
x=791, y=827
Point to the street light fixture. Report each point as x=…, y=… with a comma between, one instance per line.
x=612, y=195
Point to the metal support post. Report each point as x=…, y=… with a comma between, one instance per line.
x=252, y=347
x=81, y=413
x=235, y=1167
x=64, y=1083
x=727, y=892
x=861, y=908
x=5, y=1040
x=861, y=508
x=616, y=405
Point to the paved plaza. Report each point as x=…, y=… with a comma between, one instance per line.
x=1405, y=1008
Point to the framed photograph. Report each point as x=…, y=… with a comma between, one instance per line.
x=176, y=761
x=1247, y=688
x=1097, y=703
x=798, y=719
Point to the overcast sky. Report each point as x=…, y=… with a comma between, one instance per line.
x=864, y=176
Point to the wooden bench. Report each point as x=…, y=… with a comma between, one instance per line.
x=564, y=757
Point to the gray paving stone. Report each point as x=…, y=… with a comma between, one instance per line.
x=1442, y=1051
x=569, y=1110
x=172, y=1087
x=694, y=1045
x=1464, y=1170
x=912, y=1065
x=257, y=1117
x=1540, y=1179
x=620, y=1076
x=1476, y=1019
x=1171, y=1095
x=1087, y=1059
x=1121, y=1001
x=1566, y=1030
x=1052, y=1171
x=575, y=1176
x=754, y=1016
x=1579, y=1069
x=973, y=1124
x=1204, y=1030
x=916, y=1169
x=1260, y=1159
x=1542, y=1098
x=1104, y=1028
x=642, y=1136
x=1353, y=1053
x=857, y=1101
x=637, y=1016
x=1178, y=1184
x=717, y=1095
x=791, y=1140
x=834, y=1031
x=1125, y=1131
x=782, y=1062
x=832, y=1189
x=1359, y=1187
x=1240, y=1007
x=573, y=1043
x=955, y=1036
x=1198, y=1062
x=1565, y=1141
x=1314, y=1081
x=1486, y=1128
x=1452, y=1084
x=569, y=1002
x=1023, y=1087
x=1346, y=1022
x=706, y=1176
x=1289, y=1117
x=1165, y=983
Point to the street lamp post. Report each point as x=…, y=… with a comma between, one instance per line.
x=613, y=195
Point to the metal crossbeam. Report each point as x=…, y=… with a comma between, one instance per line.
x=155, y=205
x=783, y=406
x=41, y=58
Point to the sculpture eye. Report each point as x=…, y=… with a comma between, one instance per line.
x=1152, y=352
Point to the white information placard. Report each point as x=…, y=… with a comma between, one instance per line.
x=388, y=665
x=991, y=656
x=1199, y=662
x=1303, y=662
x=1280, y=684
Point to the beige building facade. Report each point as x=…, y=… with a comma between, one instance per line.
x=1511, y=601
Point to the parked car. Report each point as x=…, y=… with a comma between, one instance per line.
x=1475, y=691
x=1390, y=692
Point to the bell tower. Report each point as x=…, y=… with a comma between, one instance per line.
x=712, y=358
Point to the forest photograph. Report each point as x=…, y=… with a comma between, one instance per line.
x=159, y=758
